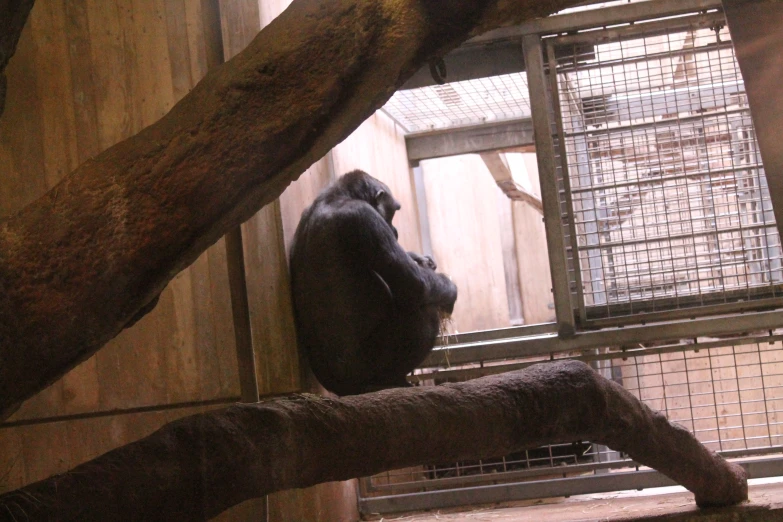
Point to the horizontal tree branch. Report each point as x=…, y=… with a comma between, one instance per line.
x=199, y=466
x=79, y=263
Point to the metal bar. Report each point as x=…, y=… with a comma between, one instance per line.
x=622, y=14
x=663, y=179
x=499, y=333
x=550, y=193
x=473, y=373
x=564, y=172
x=466, y=140
x=642, y=315
x=658, y=124
x=438, y=483
x=547, y=344
x=544, y=488
x=654, y=28
x=510, y=476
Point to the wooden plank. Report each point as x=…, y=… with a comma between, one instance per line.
x=466, y=243
x=532, y=255
x=82, y=76
x=45, y=450
x=225, y=343
x=300, y=194
x=510, y=263
x=12, y=463
x=240, y=22
x=178, y=47
x=111, y=54
x=20, y=129
x=59, y=120
x=156, y=90
x=204, y=329
x=182, y=356
x=268, y=287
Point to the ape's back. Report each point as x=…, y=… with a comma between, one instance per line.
x=366, y=312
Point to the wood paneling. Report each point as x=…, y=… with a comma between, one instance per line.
x=88, y=74
x=532, y=255
x=466, y=242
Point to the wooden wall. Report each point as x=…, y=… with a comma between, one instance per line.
x=535, y=279
x=468, y=215
x=466, y=243
x=86, y=75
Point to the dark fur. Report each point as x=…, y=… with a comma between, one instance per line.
x=367, y=312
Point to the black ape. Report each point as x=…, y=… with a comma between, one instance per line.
x=367, y=312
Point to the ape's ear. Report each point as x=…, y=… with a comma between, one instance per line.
x=379, y=195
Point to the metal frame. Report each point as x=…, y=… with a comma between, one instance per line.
x=654, y=333
x=467, y=140
x=550, y=191
x=564, y=487
x=549, y=344
x=602, y=313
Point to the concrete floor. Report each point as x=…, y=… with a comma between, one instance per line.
x=664, y=504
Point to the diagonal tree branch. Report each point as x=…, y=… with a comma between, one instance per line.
x=79, y=263
x=199, y=466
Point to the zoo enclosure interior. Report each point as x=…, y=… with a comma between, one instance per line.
x=658, y=221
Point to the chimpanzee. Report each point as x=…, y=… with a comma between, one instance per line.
x=367, y=312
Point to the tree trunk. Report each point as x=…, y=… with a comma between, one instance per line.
x=78, y=264
x=199, y=466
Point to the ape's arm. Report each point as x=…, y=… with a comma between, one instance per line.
x=371, y=240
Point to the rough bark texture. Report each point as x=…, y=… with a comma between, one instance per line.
x=77, y=264
x=196, y=467
x=13, y=15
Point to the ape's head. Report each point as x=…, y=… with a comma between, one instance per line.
x=361, y=185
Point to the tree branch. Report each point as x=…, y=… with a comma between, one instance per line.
x=199, y=466
x=79, y=263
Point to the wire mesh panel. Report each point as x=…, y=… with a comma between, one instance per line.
x=470, y=102
x=665, y=191
x=728, y=393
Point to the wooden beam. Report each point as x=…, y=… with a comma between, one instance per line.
x=469, y=140
x=501, y=173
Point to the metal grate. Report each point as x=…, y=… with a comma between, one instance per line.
x=666, y=196
x=728, y=393
x=470, y=102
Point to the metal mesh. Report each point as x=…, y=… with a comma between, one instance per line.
x=666, y=194
x=729, y=394
x=470, y=102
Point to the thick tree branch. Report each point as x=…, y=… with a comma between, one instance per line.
x=77, y=264
x=13, y=15
x=199, y=466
